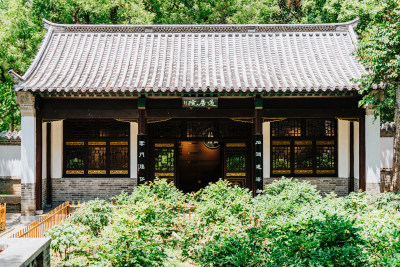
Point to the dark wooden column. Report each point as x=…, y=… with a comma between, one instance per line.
x=258, y=147
x=142, y=146
x=38, y=163
x=48, y=163
x=362, y=178
x=351, y=178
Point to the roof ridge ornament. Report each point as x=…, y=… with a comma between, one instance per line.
x=16, y=77
x=200, y=28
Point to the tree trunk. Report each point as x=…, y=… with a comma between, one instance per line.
x=395, y=185
x=12, y=118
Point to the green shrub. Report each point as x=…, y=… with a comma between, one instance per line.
x=289, y=225
x=95, y=215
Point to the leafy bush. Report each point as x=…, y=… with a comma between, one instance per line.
x=289, y=225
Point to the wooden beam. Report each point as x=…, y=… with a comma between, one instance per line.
x=199, y=113
x=311, y=113
x=362, y=180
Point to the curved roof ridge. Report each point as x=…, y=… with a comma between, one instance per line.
x=199, y=28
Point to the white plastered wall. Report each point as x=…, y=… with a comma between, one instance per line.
x=56, y=149
x=372, y=151
x=387, y=144
x=266, y=149
x=10, y=161
x=133, y=149
x=343, y=148
x=28, y=149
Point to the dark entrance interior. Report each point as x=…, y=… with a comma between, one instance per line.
x=194, y=152
x=199, y=163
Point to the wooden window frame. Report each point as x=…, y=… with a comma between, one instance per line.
x=84, y=143
x=313, y=139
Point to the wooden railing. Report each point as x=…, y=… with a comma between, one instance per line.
x=53, y=218
x=3, y=209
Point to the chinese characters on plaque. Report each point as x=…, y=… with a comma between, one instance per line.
x=200, y=102
x=142, y=158
x=258, y=163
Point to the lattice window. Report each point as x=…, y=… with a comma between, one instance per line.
x=75, y=156
x=287, y=128
x=166, y=129
x=233, y=129
x=204, y=129
x=235, y=159
x=304, y=147
x=164, y=159
x=96, y=148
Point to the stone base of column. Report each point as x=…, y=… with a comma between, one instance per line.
x=28, y=200
x=373, y=188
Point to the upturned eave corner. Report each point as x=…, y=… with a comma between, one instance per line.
x=16, y=77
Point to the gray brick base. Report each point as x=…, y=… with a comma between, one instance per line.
x=10, y=185
x=28, y=205
x=373, y=188
x=84, y=189
x=325, y=185
x=44, y=192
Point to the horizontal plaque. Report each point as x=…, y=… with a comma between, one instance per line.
x=164, y=174
x=303, y=143
x=97, y=172
x=281, y=143
x=164, y=145
x=235, y=144
x=281, y=171
x=325, y=171
x=74, y=143
x=325, y=143
x=75, y=172
x=119, y=172
x=303, y=171
x=236, y=174
x=118, y=143
x=199, y=102
x=97, y=143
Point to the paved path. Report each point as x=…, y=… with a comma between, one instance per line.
x=15, y=222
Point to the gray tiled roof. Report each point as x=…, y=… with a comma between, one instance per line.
x=389, y=126
x=10, y=135
x=194, y=58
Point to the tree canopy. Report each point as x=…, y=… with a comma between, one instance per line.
x=21, y=27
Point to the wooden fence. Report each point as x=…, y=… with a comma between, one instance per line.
x=3, y=208
x=53, y=218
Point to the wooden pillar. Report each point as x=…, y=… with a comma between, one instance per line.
x=38, y=160
x=48, y=163
x=362, y=181
x=258, y=147
x=142, y=148
x=351, y=178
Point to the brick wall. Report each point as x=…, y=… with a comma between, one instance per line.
x=10, y=185
x=324, y=184
x=84, y=189
x=28, y=205
x=44, y=192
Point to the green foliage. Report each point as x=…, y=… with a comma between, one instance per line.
x=379, y=51
x=21, y=31
x=289, y=225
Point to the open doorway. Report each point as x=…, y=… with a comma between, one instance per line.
x=199, y=163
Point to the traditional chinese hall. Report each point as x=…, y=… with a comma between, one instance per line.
x=107, y=107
